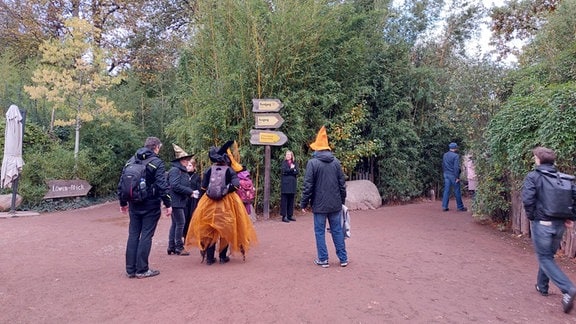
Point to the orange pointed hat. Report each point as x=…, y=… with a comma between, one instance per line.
x=321, y=142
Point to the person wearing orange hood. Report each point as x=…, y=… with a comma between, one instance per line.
x=222, y=219
x=325, y=190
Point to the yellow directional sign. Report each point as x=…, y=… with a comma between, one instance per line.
x=266, y=105
x=263, y=137
x=268, y=120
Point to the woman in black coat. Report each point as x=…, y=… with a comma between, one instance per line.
x=288, y=187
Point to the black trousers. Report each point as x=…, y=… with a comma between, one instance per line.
x=287, y=205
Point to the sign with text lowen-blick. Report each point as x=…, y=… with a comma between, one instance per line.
x=67, y=188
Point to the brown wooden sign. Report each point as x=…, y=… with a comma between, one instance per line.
x=268, y=120
x=262, y=137
x=266, y=105
x=67, y=188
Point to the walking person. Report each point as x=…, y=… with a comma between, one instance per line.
x=144, y=215
x=288, y=184
x=325, y=190
x=451, y=170
x=181, y=192
x=547, y=231
x=470, y=168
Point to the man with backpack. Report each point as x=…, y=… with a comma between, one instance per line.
x=141, y=189
x=549, y=216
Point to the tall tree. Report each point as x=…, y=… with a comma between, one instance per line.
x=72, y=73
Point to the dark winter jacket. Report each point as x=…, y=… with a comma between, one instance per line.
x=451, y=164
x=155, y=178
x=531, y=186
x=182, y=184
x=324, y=184
x=288, y=181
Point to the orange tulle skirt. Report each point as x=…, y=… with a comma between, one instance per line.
x=225, y=221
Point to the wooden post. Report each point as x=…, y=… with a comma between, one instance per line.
x=267, y=167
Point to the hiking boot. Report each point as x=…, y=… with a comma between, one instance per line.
x=210, y=261
x=323, y=264
x=149, y=273
x=568, y=301
x=542, y=292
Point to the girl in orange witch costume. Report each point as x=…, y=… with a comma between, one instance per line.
x=224, y=221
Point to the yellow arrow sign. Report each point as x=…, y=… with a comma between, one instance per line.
x=268, y=120
x=261, y=137
x=266, y=105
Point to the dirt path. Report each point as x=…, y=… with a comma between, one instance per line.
x=408, y=264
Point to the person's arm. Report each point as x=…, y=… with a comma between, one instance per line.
x=307, y=186
x=161, y=183
x=529, y=195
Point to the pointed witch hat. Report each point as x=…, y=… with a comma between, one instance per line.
x=321, y=142
x=179, y=153
x=218, y=154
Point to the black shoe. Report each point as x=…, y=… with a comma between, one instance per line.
x=285, y=220
x=542, y=292
x=171, y=251
x=182, y=252
x=568, y=301
x=463, y=209
x=131, y=275
x=210, y=261
x=224, y=260
x=149, y=273
x=292, y=219
x=445, y=209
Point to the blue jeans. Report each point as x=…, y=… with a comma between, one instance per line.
x=175, y=242
x=142, y=226
x=546, y=241
x=334, y=220
x=450, y=181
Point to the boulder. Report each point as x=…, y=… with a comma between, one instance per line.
x=6, y=202
x=362, y=195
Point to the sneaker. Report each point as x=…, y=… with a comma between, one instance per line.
x=323, y=264
x=149, y=273
x=343, y=264
x=130, y=275
x=542, y=292
x=463, y=209
x=568, y=301
x=445, y=209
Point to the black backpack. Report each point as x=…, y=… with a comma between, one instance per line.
x=555, y=194
x=217, y=187
x=133, y=186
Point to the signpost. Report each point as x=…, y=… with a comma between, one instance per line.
x=266, y=117
x=266, y=105
x=268, y=120
x=266, y=137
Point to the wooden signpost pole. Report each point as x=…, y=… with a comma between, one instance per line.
x=266, y=117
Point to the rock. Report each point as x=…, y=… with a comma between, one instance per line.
x=6, y=202
x=362, y=195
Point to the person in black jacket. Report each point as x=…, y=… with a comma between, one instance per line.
x=547, y=232
x=144, y=215
x=288, y=183
x=182, y=190
x=325, y=190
